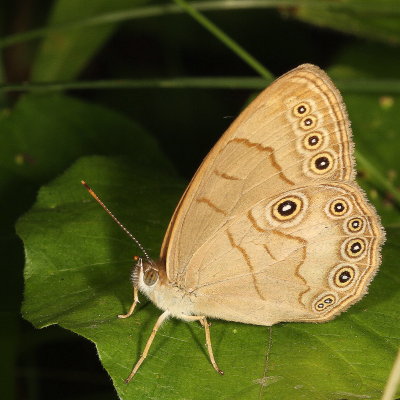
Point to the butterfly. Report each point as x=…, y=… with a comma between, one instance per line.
x=273, y=226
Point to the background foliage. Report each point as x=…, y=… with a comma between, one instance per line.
x=131, y=95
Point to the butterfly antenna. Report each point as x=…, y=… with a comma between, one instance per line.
x=94, y=195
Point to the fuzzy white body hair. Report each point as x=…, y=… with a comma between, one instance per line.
x=168, y=298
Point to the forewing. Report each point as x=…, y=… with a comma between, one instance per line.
x=296, y=132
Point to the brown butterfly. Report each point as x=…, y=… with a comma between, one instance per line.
x=273, y=226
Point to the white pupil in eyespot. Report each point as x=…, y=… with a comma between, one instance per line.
x=339, y=207
x=286, y=207
x=344, y=276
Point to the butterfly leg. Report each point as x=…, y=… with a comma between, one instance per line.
x=135, y=301
x=160, y=320
x=206, y=326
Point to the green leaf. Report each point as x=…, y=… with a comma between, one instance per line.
x=78, y=264
x=39, y=138
x=63, y=54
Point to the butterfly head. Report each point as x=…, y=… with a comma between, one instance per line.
x=146, y=274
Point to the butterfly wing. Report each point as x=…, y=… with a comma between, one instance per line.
x=294, y=134
x=267, y=265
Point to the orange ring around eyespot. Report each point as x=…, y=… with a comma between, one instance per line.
x=351, y=221
x=308, y=122
x=324, y=302
x=338, y=275
x=283, y=206
x=354, y=248
x=313, y=136
x=322, y=163
x=338, y=202
x=298, y=109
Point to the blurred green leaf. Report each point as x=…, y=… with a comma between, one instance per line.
x=368, y=18
x=78, y=264
x=63, y=54
x=349, y=85
x=42, y=135
x=373, y=19
x=375, y=119
x=361, y=59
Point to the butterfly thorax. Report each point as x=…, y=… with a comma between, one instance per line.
x=151, y=279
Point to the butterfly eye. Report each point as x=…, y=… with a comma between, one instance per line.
x=355, y=225
x=287, y=208
x=301, y=109
x=353, y=248
x=338, y=207
x=308, y=122
x=312, y=141
x=322, y=163
x=324, y=302
x=343, y=276
x=150, y=277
